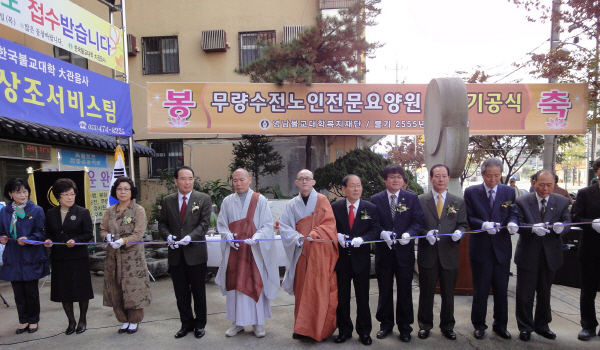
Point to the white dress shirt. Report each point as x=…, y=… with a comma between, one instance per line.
x=487, y=191
x=348, y=204
x=180, y=198
x=435, y=197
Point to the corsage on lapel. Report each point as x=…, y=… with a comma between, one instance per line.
x=452, y=209
x=127, y=220
x=507, y=204
x=401, y=207
x=365, y=215
x=29, y=217
x=195, y=207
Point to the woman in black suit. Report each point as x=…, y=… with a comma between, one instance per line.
x=71, y=280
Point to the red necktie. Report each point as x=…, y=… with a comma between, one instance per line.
x=183, y=208
x=351, y=216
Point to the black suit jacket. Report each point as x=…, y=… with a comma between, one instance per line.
x=446, y=249
x=586, y=209
x=479, y=211
x=77, y=226
x=410, y=221
x=366, y=226
x=529, y=245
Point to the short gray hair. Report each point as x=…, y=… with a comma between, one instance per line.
x=491, y=162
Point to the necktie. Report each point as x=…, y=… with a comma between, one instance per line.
x=491, y=198
x=351, y=216
x=543, y=210
x=183, y=208
x=440, y=206
x=393, y=206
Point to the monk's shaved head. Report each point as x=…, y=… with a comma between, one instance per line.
x=241, y=180
x=305, y=182
x=305, y=172
x=241, y=171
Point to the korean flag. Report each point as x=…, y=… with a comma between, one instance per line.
x=118, y=171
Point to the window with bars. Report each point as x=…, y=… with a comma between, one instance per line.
x=249, y=49
x=169, y=155
x=70, y=57
x=160, y=55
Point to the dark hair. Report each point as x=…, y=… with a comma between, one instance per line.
x=537, y=175
x=63, y=185
x=134, y=190
x=596, y=165
x=347, y=177
x=15, y=184
x=185, y=167
x=533, y=177
x=437, y=166
x=393, y=169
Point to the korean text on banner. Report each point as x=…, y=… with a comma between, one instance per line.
x=38, y=88
x=68, y=26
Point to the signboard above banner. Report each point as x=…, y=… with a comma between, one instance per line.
x=68, y=26
x=358, y=109
x=38, y=88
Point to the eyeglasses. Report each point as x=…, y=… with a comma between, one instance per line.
x=123, y=189
x=304, y=179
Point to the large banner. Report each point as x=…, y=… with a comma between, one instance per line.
x=38, y=88
x=68, y=26
x=358, y=109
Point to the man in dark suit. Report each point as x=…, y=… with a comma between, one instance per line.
x=356, y=221
x=184, y=217
x=489, y=206
x=539, y=254
x=587, y=209
x=400, y=217
x=438, y=257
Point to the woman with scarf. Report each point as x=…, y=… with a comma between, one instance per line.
x=24, y=262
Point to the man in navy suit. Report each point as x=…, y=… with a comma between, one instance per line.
x=489, y=206
x=400, y=217
x=356, y=221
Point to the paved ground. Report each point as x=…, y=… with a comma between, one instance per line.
x=161, y=323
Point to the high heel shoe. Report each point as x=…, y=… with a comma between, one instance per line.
x=22, y=330
x=81, y=328
x=71, y=329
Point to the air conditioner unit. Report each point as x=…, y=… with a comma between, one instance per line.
x=214, y=40
x=131, y=45
x=292, y=32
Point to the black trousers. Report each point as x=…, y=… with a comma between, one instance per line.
x=590, y=279
x=486, y=274
x=537, y=280
x=428, y=278
x=27, y=299
x=404, y=305
x=188, y=281
x=345, y=275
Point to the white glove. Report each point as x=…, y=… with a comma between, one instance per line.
x=342, y=240
x=596, y=225
x=558, y=227
x=230, y=237
x=490, y=227
x=456, y=235
x=405, y=238
x=110, y=237
x=512, y=228
x=172, y=243
x=310, y=239
x=117, y=244
x=540, y=230
x=253, y=240
x=387, y=237
x=185, y=240
x=298, y=239
x=431, y=238
x=357, y=241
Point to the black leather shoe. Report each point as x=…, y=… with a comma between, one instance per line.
x=341, y=338
x=181, y=333
x=71, y=329
x=405, y=337
x=584, y=335
x=366, y=339
x=503, y=333
x=525, y=336
x=22, y=330
x=33, y=330
x=80, y=329
x=479, y=334
x=423, y=334
x=449, y=334
x=122, y=330
x=131, y=331
x=547, y=334
x=383, y=333
x=297, y=336
x=199, y=332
